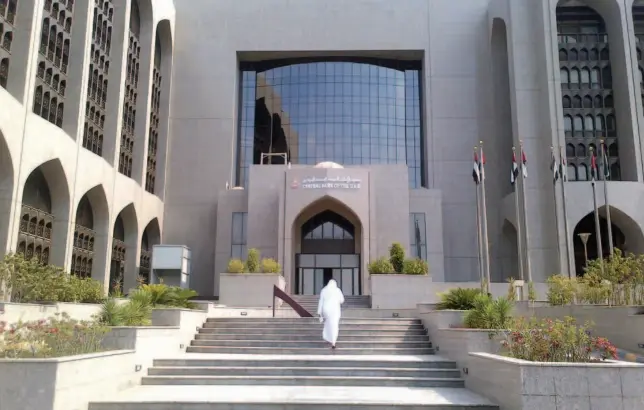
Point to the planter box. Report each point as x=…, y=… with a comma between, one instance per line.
x=248, y=289
x=27, y=312
x=622, y=325
x=400, y=291
x=439, y=319
x=186, y=321
x=518, y=384
x=66, y=383
x=456, y=344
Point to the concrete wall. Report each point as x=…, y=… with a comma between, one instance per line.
x=27, y=312
x=400, y=291
x=517, y=384
x=67, y=383
x=29, y=142
x=249, y=289
x=452, y=77
x=379, y=210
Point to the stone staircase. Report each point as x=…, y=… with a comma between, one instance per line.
x=282, y=364
x=310, y=302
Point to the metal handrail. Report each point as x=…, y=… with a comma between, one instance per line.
x=279, y=293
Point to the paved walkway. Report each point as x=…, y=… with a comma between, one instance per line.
x=303, y=357
x=299, y=394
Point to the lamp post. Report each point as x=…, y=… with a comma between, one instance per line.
x=584, y=239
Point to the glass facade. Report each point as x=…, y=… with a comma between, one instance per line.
x=348, y=111
x=238, y=235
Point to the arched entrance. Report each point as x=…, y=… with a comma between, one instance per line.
x=627, y=236
x=328, y=243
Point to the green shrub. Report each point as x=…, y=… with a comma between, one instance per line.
x=270, y=265
x=29, y=281
x=415, y=267
x=236, y=266
x=380, y=266
x=561, y=290
x=397, y=257
x=253, y=260
x=512, y=293
x=532, y=294
x=458, y=299
x=488, y=313
x=134, y=312
x=161, y=295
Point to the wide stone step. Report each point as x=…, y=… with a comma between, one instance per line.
x=415, y=362
x=302, y=381
x=312, y=331
x=319, y=343
x=312, y=336
x=293, y=398
x=307, y=371
x=304, y=326
x=309, y=351
x=314, y=320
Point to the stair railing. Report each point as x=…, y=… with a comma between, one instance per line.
x=279, y=293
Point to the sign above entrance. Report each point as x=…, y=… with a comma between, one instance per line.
x=327, y=183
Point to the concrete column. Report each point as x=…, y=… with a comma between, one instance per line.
x=28, y=18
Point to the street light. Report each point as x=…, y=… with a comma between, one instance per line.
x=584, y=239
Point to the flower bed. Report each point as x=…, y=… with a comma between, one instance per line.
x=56, y=337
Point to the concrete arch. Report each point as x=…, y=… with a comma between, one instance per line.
x=126, y=229
x=56, y=183
x=7, y=187
x=627, y=235
x=151, y=235
x=508, y=254
x=101, y=227
x=318, y=206
x=165, y=42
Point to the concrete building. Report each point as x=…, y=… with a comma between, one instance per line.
x=394, y=94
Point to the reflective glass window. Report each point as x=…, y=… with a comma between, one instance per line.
x=352, y=112
x=418, y=235
x=238, y=235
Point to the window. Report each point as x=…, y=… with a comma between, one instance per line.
x=238, y=235
x=417, y=235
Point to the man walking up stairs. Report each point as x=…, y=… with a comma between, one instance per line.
x=281, y=363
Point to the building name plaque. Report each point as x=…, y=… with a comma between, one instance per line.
x=328, y=183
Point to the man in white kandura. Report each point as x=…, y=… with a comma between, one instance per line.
x=329, y=310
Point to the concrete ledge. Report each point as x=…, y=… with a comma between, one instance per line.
x=65, y=383
x=519, y=384
x=456, y=344
x=439, y=319
x=248, y=289
x=400, y=291
x=186, y=321
x=27, y=312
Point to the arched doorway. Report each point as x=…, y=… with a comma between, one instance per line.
x=6, y=193
x=119, y=252
x=44, y=212
x=328, y=244
x=90, y=231
x=151, y=236
x=627, y=236
x=125, y=239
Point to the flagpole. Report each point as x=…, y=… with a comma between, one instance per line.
x=486, y=243
x=480, y=237
x=518, y=216
x=555, y=179
x=605, y=171
x=564, y=177
x=525, y=212
x=598, y=234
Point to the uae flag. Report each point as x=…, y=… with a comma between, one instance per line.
x=593, y=166
x=605, y=164
x=476, y=170
x=554, y=167
x=563, y=167
x=514, y=174
x=524, y=164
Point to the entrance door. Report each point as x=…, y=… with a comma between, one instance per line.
x=315, y=271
